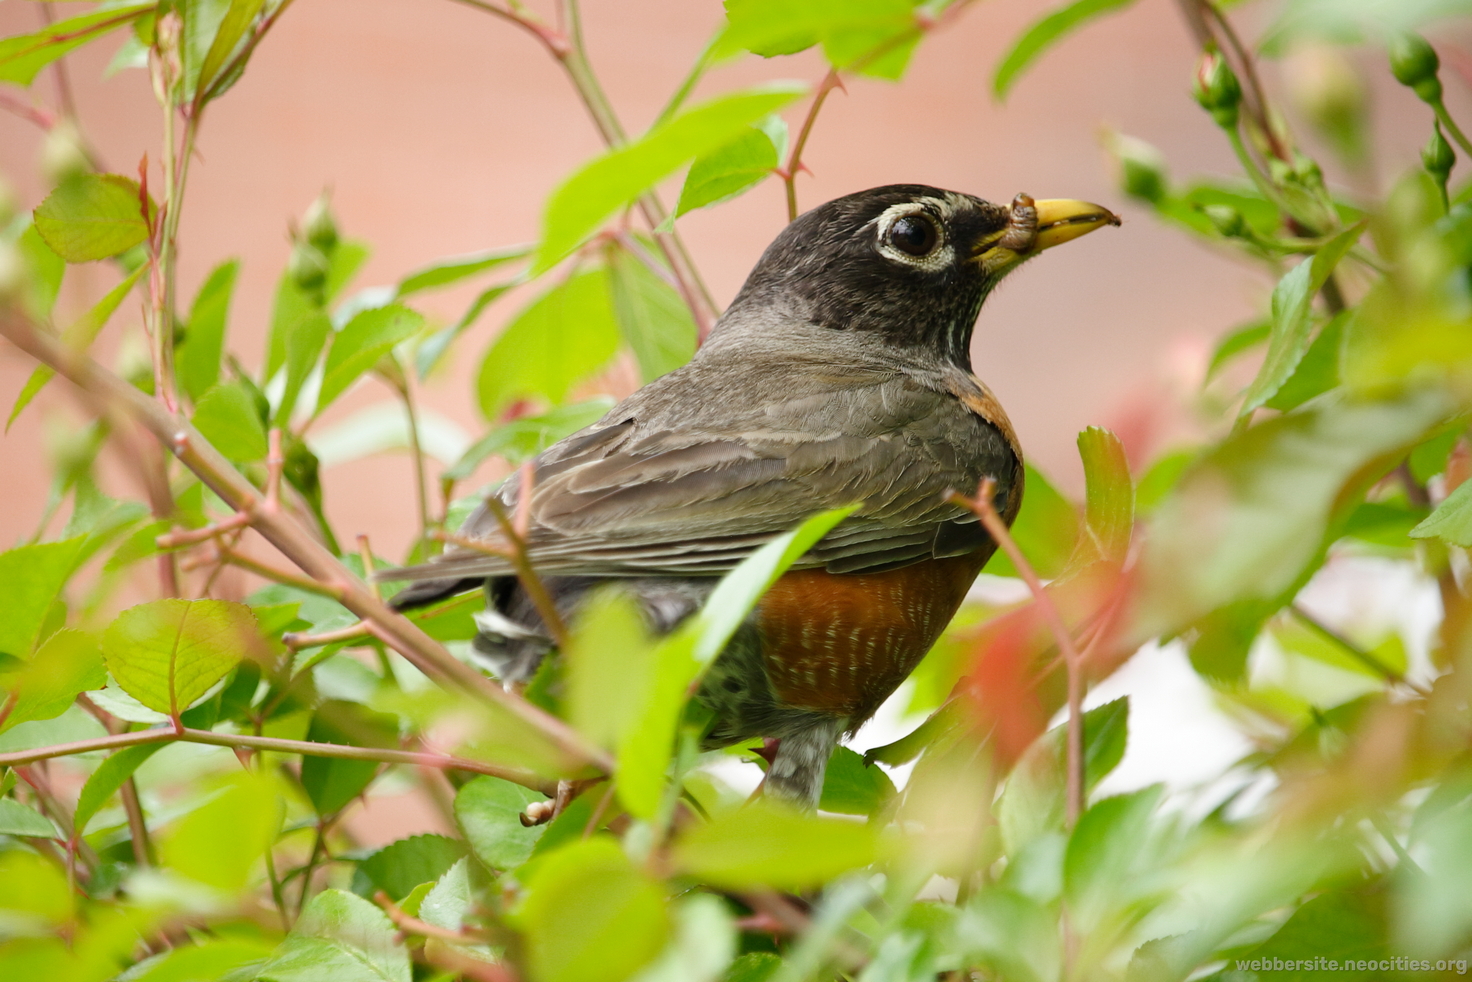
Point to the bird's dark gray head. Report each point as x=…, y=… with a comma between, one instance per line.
x=908, y=262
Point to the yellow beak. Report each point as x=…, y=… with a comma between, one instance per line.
x=1038, y=225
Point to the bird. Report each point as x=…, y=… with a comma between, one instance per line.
x=839, y=375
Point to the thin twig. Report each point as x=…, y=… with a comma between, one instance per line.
x=1356, y=652
x=13, y=104
x=984, y=510
x=789, y=172
x=413, y=925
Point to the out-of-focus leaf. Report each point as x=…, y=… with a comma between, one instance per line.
x=704, y=941
x=1451, y=521
x=222, y=842
x=1299, y=638
x=17, y=819
x=340, y=937
x=1160, y=479
x=358, y=347
x=563, y=336
x=587, y=198
x=347, y=257
x=93, y=216
x=728, y=171
x=1384, y=524
x=42, y=688
x=852, y=786
x=30, y=578
x=943, y=721
x=754, y=966
x=302, y=347
x=1221, y=641
x=1236, y=342
x=1053, y=27
x=654, y=320
x=1109, y=501
x=872, y=36
x=590, y=916
x=1429, y=459
x=679, y=659
x=330, y=782
x=291, y=308
x=108, y=778
x=1292, y=303
x=220, y=958
x=168, y=653
x=1106, y=849
x=767, y=845
x=1010, y=933
x=431, y=351
x=198, y=358
x=1106, y=735
x=527, y=436
x=610, y=661
x=29, y=884
x=23, y=56
x=383, y=427
x=453, y=269
x=1341, y=926
x=44, y=270
x=1251, y=516
x=1353, y=21
x=226, y=416
x=400, y=866
x=1046, y=530
x=488, y=811
x=79, y=337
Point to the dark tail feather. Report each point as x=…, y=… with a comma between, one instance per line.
x=428, y=591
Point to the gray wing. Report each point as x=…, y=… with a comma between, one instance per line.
x=690, y=475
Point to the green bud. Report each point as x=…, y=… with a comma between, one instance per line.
x=1415, y=64
x=1217, y=89
x=1141, y=167
x=317, y=224
x=1306, y=170
x=1228, y=220
x=1437, y=156
x=308, y=267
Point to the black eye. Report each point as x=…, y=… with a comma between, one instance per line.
x=914, y=235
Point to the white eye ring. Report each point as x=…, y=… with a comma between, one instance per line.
x=937, y=256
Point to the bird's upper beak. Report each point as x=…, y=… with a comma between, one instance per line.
x=1038, y=225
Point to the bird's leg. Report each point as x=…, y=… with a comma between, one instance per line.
x=795, y=774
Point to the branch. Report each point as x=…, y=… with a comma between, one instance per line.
x=984, y=510
x=288, y=536
x=788, y=173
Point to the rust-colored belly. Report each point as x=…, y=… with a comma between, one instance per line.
x=842, y=642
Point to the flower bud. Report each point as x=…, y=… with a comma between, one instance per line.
x=1141, y=167
x=1415, y=64
x=308, y=267
x=318, y=226
x=1437, y=156
x=1217, y=89
x=1228, y=220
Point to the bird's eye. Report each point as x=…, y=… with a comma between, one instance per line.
x=914, y=235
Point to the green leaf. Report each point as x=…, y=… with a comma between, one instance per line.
x=1236, y=342
x=1045, y=33
x=227, y=37
x=168, y=653
x=23, y=56
x=610, y=661
x=79, y=337
x=344, y=261
x=453, y=269
x=526, y=436
x=1109, y=501
x=42, y=688
x=223, y=958
x=227, y=416
x=703, y=945
x=292, y=306
x=1249, y=519
x=586, y=199
x=590, y=916
x=1343, y=926
x=17, y=819
x=221, y=843
x=331, y=782
x=1292, y=304
x=400, y=866
x=30, y=578
x=765, y=845
x=1106, y=734
x=563, y=336
x=93, y=216
x=754, y=966
x=108, y=778
x=1317, y=372
x=1046, y=529
x=431, y=350
x=1451, y=521
x=451, y=900
x=728, y=170
x=852, y=786
x=655, y=322
x=644, y=751
x=43, y=272
x=361, y=343
x=343, y=938
x=1107, y=848
x=871, y=36
x=488, y=811
x=199, y=356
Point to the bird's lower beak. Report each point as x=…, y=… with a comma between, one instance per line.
x=1038, y=225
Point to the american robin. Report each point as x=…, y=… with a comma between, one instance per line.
x=840, y=374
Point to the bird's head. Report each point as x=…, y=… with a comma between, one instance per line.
x=907, y=262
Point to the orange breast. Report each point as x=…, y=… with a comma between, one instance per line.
x=842, y=642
